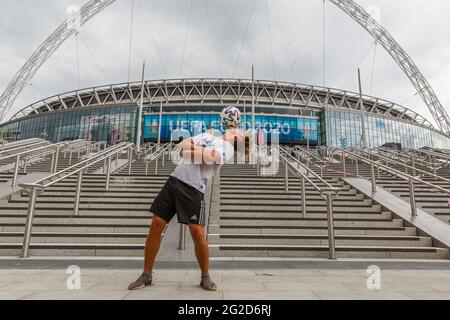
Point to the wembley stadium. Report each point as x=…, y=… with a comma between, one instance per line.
x=299, y=114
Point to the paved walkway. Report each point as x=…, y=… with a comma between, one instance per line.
x=233, y=284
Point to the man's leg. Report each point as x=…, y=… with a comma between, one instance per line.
x=153, y=242
x=201, y=247
x=151, y=250
x=202, y=253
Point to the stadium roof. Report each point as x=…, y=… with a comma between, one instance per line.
x=226, y=91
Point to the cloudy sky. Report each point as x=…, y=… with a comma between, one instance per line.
x=208, y=38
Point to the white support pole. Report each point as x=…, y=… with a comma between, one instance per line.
x=160, y=123
x=361, y=105
x=140, y=110
x=253, y=99
x=252, y=158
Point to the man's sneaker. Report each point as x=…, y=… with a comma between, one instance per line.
x=208, y=284
x=144, y=280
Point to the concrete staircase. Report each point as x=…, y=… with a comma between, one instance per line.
x=113, y=223
x=429, y=200
x=258, y=219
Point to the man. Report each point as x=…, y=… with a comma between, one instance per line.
x=183, y=194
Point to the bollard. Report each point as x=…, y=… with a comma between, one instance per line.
x=330, y=220
x=374, y=183
x=55, y=166
x=25, y=165
x=258, y=167
x=29, y=223
x=434, y=166
x=413, y=164
x=344, y=166
x=303, y=197
x=182, y=237
x=52, y=165
x=412, y=198
x=78, y=193
x=108, y=173
x=16, y=171
x=130, y=159
x=70, y=157
x=286, y=178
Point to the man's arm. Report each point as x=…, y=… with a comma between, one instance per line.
x=189, y=150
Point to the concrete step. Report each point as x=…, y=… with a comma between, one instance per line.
x=71, y=237
x=363, y=203
x=310, y=251
x=288, y=229
x=71, y=220
x=86, y=227
x=293, y=209
x=72, y=249
x=295, y=239
x=272, y=223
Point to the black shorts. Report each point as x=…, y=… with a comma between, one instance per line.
x=177, y=197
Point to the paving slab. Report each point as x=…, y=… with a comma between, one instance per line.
x=266, y=284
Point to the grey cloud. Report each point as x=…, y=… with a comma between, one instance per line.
x=420, y=27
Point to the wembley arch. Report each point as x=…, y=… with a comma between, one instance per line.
x=350, y=7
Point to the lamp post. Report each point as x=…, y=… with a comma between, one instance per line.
x=140, y=110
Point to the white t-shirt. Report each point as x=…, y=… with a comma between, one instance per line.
x=199, y=175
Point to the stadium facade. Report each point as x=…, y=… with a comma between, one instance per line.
x=298, y=114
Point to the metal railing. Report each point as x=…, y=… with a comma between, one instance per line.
x=326, y=190
x=434, y=158
x=12, y=150
x=407, y=157
x=310, y=158
x=407, y=168
x=157, y=152
x=52, y=149
x=85, y=147
x=386, y=168
x=78, y=169
x=5, y=146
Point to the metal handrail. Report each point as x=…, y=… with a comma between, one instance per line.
x=13, y=151
x=78, y=147
x=21, y=143
x=18, y=156
x=160, y=151
x=320, y=163
x=35, y=188
x=444, y=156
x=411, y=179
x=328, y=192
x=441, y=158
x=406, y=167
x=81, y=166
x=408, y=158
x=306, y=172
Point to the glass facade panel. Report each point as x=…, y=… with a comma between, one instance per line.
x=118, y=123
x=114, y=124
x=291, y=129
x=345, y=130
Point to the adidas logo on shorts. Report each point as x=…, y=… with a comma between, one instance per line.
x=194, y=217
